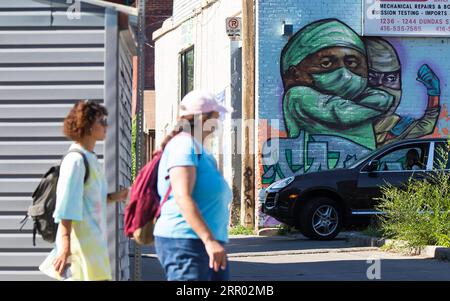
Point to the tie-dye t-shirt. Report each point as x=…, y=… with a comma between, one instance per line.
x=85, y=205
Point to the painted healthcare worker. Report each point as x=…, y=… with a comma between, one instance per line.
x=325, y=78
x=385, y=74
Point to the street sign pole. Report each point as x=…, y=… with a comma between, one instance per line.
x=140, y=119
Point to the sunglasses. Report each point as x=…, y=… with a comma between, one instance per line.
x=103, y=121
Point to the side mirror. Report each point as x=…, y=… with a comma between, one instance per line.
x=373, y=166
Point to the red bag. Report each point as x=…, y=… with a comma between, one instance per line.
x=144, y=208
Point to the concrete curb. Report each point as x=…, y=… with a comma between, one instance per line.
x=300, y=252
x=289, y=252
x=361, y=240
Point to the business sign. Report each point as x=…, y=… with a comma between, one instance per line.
x=234, y=27
x=426, y=18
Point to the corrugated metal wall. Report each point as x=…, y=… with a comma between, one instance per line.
x=184, y=8
x=126, y=53
x=47, y=63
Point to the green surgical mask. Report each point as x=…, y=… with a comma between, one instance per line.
x=340, y=82
x=397, y=97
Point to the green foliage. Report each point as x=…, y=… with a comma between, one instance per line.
x=133, y=149
x=241, y=230
x=284, y=229
x=373, y=231
x=419, y=212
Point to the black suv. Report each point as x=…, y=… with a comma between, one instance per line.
x=320, y=203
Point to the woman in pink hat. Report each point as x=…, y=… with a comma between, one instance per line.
x=193, y=227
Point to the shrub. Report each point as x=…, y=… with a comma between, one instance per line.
x=419, y=212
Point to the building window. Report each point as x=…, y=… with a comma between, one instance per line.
x=187, y=71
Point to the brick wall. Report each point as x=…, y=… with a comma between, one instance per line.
x=157, y=12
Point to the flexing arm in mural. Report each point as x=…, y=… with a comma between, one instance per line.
x=324, y=71
x=385, y=74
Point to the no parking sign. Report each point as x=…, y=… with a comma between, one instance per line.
x=234, y=26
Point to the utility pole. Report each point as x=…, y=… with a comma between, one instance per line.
x=248, y=114
x=140, y=161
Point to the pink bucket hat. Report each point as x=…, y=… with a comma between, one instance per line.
x=198, y=101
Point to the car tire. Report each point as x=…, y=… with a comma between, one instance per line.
x=320, y=219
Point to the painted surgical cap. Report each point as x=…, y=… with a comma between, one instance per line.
x=316, y=36
x=381, y=56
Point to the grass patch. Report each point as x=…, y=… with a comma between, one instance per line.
x=241, y=230
x=373, y=232
x=284, y=230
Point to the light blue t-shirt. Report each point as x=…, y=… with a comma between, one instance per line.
x=211, y=192
x=85, y=205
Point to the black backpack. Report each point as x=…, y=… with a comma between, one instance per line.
x=44, y=201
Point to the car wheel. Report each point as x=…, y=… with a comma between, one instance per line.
x=320, y=219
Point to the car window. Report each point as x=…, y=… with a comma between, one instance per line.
x=410, y=157
x=439, y=156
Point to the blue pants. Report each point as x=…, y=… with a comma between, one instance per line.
x=187, y=260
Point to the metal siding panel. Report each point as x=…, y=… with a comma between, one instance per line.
x=50, y=74
x=48, y=92
x=50, y=129
x=23, y=276
x=125, y=165
x=19, y=160
x=184, y=8
x=34, y=111
x=23, y=186
x=12, y=222
x=25, y=18
x=24, y=167
x=121, y=227
x=21, y=241
x=40, y=148
x=125, y=86
x=124, y=260
x=125, y=54
x=124, y=90
x=51, y=55
x=125, y=149
x=27, y=167
x=14, y=204
x=84, y=19
x=25, y=259
x=52, y=37
x=110, y=97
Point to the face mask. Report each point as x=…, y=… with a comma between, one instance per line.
x=397, y=97
x=340, y=82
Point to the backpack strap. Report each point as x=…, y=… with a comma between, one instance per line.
x=166, y=197
x=197, y=148
x=169, y=190
x=34, y=234
x=86, y=163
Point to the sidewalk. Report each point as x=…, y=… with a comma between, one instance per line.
x=297, y=258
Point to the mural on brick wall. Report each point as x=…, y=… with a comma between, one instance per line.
x=341, y=94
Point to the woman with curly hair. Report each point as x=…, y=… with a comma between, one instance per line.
x=81, y=251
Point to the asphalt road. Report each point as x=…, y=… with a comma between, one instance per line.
x=299, y=259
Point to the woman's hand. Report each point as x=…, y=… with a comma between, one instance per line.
x=118, y=196
x=217, y=255
x=60, y=263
